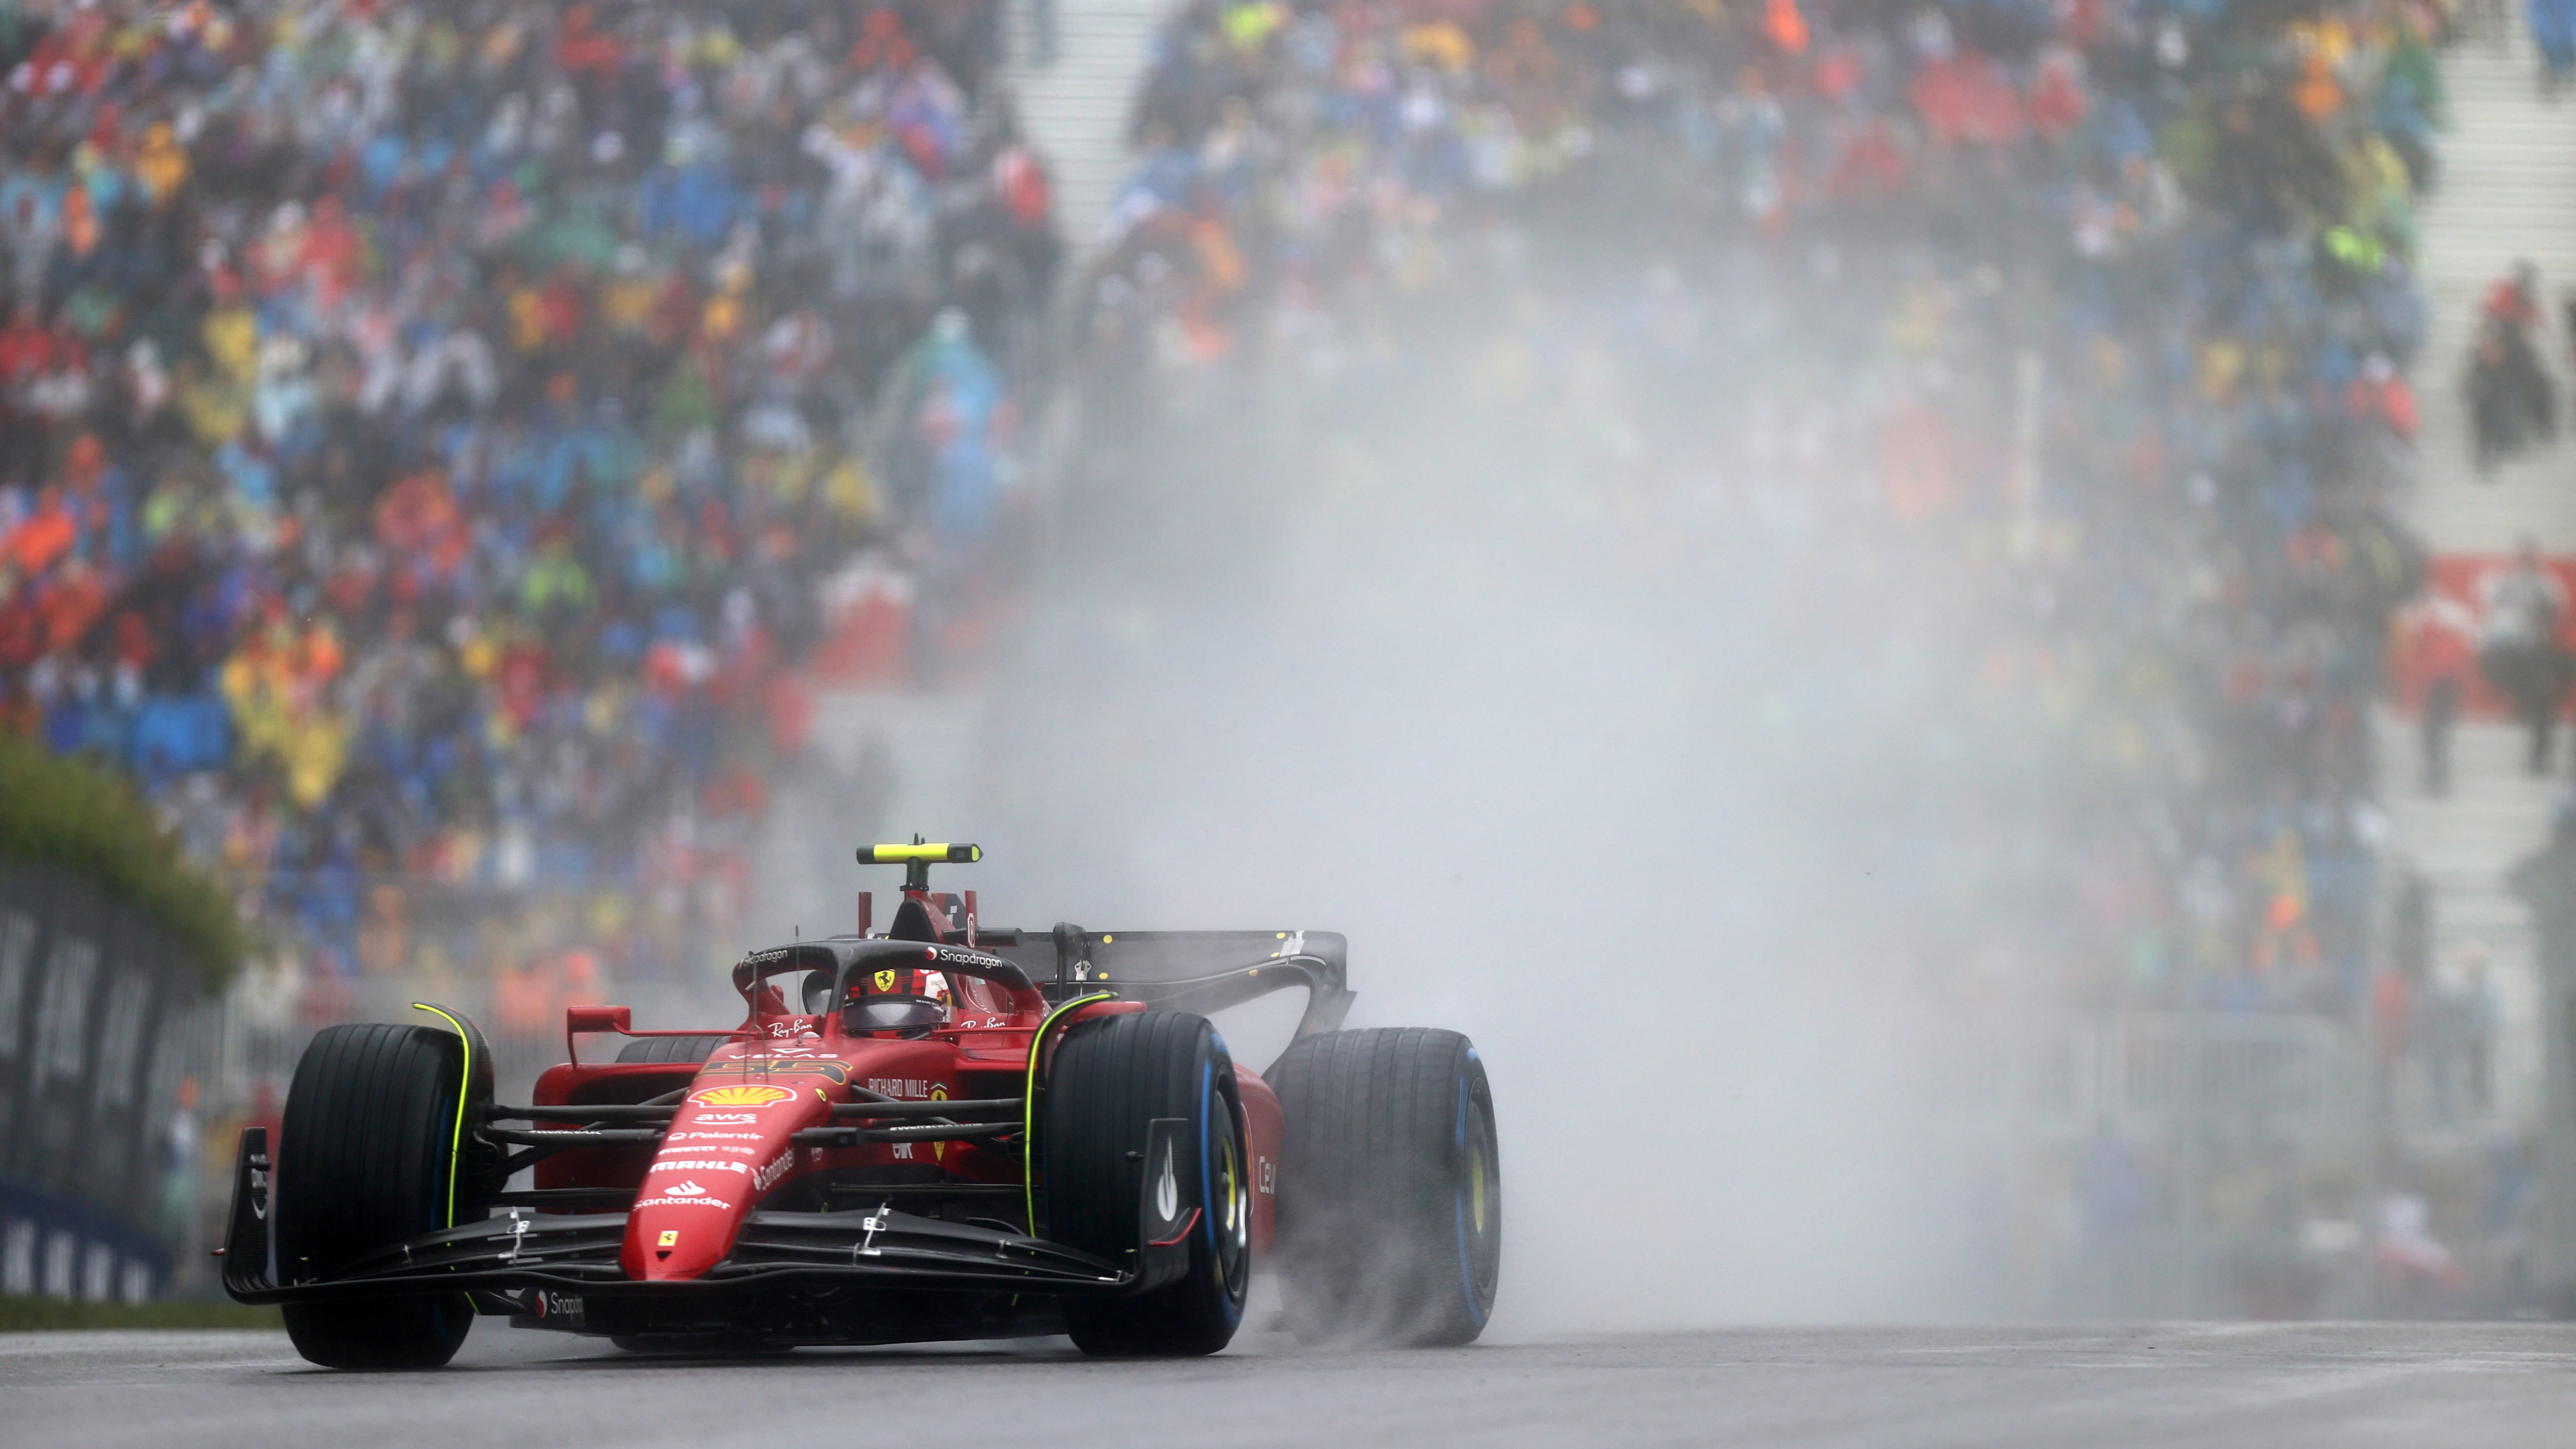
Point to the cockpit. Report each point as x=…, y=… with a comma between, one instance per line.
x=888, y=999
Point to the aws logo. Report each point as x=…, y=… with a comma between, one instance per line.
x=741, y=1096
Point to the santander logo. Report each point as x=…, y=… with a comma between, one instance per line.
x=685, y=1189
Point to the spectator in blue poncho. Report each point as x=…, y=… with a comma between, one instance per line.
x=949, y=397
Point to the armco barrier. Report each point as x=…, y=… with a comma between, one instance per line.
x=64, y=1248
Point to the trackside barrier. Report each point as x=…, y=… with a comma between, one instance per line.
x=63, y=1248
x=101, y=1020
x=2168, y=1163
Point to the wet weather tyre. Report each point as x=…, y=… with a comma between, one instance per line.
x=1109, y=1082
x=364, y=1158
x=1390, y=1188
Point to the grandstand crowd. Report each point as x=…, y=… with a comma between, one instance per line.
x=440, y=444
x=2086, y=326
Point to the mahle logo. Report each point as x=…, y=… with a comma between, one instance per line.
x=740, y=1096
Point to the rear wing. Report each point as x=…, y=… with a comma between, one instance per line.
x=1201, y=971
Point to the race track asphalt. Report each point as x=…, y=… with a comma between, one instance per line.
x=2354, y=1386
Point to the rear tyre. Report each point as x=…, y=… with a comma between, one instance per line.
x=1390, y=1189
x=366, y=1158
x=1111, y=1079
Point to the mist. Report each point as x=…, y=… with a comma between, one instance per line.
x=1664, y=837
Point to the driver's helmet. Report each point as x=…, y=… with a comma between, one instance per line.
x=896, y=998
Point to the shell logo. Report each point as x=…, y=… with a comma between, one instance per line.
x=740, y=1096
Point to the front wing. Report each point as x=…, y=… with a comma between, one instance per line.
x=878, y=1248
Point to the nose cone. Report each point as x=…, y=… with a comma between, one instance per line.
x=728, y=1145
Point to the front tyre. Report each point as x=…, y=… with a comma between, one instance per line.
x=367, y=1157
x=380, y=1334
x=1112, y=1078
x=1390, y=1188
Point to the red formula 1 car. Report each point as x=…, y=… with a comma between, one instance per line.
x=941, y=1131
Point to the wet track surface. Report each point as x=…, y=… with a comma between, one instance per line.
x=2490, y=1385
